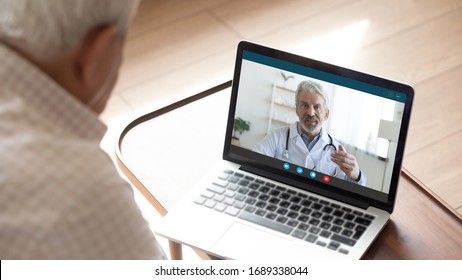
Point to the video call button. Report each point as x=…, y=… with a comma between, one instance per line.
x=286, y=166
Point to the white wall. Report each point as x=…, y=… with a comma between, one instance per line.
x=254, y=99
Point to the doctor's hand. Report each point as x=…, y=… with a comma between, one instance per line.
x=347, y=162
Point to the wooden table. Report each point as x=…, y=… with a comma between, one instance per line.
x=162, y=152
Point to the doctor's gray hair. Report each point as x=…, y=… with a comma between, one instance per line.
x=45, y=28
x=310, y=86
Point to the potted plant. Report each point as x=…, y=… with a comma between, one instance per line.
x=240, y=126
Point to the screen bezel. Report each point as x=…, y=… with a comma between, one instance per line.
x=315, y=186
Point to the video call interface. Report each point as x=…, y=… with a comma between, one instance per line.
x=364, y=119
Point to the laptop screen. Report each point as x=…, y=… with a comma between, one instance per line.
x=325, y=126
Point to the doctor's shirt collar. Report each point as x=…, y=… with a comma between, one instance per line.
x=309, y=144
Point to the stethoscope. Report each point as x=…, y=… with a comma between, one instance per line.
x=324, y=149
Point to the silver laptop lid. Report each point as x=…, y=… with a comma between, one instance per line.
x=359, y=123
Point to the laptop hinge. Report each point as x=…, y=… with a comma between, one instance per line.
x=308, y=187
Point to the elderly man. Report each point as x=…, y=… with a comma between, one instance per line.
x=306, y=144
x=60, y=194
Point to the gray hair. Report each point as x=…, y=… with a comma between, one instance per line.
x=43, y=28
x=310, y=86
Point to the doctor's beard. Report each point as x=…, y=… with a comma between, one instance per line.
x=309, y=128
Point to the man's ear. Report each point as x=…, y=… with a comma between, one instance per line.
x=327, y=113
x=91, y=52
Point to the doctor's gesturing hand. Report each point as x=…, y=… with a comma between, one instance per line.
x=347, y=162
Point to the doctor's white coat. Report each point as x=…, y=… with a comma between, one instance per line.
x=274, y=146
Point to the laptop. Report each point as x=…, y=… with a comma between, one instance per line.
x=257, y=205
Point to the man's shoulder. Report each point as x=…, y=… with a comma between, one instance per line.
x=280, y=130
x=37, y=148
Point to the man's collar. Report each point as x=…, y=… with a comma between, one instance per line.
x=20, y=77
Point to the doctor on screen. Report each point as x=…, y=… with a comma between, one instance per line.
x=306, y=144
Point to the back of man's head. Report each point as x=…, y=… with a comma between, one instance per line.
x=44, y=28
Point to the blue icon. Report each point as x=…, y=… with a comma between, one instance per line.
x=286, y=166
x=313, y=174
x=299, y=170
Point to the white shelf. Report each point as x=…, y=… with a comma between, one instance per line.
x=282, y=109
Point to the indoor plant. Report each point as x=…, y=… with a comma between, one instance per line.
x=240, y=126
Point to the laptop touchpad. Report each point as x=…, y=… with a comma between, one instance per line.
x=255, y=243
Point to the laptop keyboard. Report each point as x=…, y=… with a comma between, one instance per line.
x=306, y=217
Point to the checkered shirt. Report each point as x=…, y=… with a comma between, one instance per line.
x=60, y=194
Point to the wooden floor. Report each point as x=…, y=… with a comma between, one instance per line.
x=177, y=48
